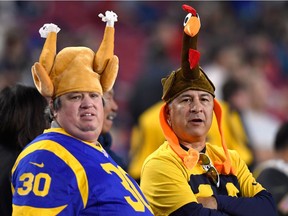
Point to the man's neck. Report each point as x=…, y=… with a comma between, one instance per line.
x=55, y=124
x=199, y=146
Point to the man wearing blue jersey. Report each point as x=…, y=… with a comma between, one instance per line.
x=187, y=175
x=65, y=171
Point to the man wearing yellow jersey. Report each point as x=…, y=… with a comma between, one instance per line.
x=186, y=175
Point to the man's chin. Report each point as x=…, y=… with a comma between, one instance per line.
x=89, y=135
x=107, y=127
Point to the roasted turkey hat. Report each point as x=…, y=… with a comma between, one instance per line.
x=75, y=69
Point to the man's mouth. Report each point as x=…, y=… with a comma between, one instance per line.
x=197, y=120
x=111, y=116
x=87, y=114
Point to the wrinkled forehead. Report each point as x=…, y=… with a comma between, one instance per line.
x=193, y=93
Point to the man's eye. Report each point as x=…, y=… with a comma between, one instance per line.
x=94, y=95
x=107, y=98
x=186, y=100
x=75, y=97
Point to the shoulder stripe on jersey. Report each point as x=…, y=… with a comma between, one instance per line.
x=66, y=156
x=29, y=210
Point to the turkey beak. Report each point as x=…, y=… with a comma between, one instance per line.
x=193, y=26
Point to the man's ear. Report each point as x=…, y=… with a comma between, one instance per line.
x=51, y=103
x=167, y=114
x=51, y=107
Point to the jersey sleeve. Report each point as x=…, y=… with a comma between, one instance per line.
x=261, y=204
x=44, y=183
x=248, y=185
x=161, y=186
x=253, y=200
x=197, y=209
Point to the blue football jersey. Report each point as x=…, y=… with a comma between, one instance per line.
x=59, y=175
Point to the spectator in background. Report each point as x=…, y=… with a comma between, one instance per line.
x=105, y=138
x=22, y=119
x=225, y=59
x=235, y=101
x=146, y=137
x=162, y=50
x=273, y=174
x=15, y=58
x=261, y=124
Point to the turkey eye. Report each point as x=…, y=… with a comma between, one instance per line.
x=187, y=19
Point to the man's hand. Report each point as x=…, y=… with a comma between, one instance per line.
x=208, y=202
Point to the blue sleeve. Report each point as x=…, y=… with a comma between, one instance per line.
x=194, y=208
x=43, y=182
x=261, y=204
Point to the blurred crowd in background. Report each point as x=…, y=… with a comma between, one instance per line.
x=245, y=40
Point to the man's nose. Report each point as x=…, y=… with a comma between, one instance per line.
x=195, y=107
x=86, y=102
x=114, y=106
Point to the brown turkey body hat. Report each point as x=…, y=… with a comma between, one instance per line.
x=76, y=69
x=190, y=77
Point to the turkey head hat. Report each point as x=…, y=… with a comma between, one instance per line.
x=190, y=76
x=76, y=69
